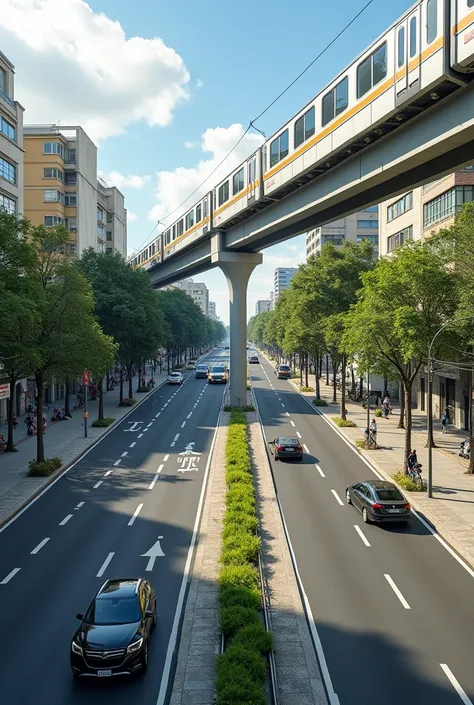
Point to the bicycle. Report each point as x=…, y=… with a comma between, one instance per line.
x=414, y=474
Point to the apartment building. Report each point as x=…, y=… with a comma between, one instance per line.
x=211, y=311
x=417, y=215
x=263, y=305
x=282, y=277
x=11, y=190
x=363, y=225
x=198, y=292
x=61, y=187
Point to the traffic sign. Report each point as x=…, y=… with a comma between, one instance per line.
x=85, y=377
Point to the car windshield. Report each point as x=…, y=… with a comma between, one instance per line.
x=389, y=495
x=284, y=367
x=218, y=369
x=201, y=367
x=175, y=374
x=114, y=610
x=287, y=441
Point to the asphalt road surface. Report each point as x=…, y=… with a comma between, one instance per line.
x=393, y=609
x=141, y=484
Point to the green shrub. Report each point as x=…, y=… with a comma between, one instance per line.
x=239, y=576
x=237, y=475
x=306, y=389
x=242, y=542
x=343, y=424
x=320, y=402
x=44, y=468
x=251, y=660
x=238, y=518
x=232, y=619
x=360, y=443
x=378, y=413
x=255, y=637
x=128, y=402
x=407, y=484
x=239, y=596
x=103, y=423
x=144, y=389
x=236, y=687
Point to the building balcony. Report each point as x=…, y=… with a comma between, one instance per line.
x=8, y=100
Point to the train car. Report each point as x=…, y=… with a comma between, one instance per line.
x=405, y=71
x=148, y=257
x=191, y=226
x=462, y=35
x=238, y=195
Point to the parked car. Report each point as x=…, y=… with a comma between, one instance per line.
x=112, y=638
x=217, y=373
x=201, y=371
x=175, y=378
x=282, y=372
x=286, y=447
x=253, y=360
x=379, y=501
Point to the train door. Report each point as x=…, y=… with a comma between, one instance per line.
x=252, y=179
x=407, y=56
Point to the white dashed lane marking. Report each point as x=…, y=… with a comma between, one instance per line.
x=104, y=565
x=65, y=520
x=39, y=547
x=135, y=514
x=117, y=462
x=10, y=576
x=132, y=445
x=166, y=457
x=97, y=484
x=338, y=499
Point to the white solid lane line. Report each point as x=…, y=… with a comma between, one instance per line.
x=10, y=576
x=292, y=423
x=454, y=682
x=97, y=484
x=305, y=448
x=298, y=434
x=397, y=591
x=117, y=462
x=135, y=514
x=166, y=457
x=39, y=547
x=132, y=445
x=65, y=520
x=104, y=565
x=81, y=504
x=362, y=535
x=320, y=471
x=124, y=454
x=338, y=499
x=109, y=472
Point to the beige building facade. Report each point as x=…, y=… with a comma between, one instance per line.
x=363, y=225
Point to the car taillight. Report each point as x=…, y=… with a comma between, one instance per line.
x=406, y=506
x=298, y=448
x=278, y=447
x=377, y=506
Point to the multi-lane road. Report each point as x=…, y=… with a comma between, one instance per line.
x=129, y=507
x=393, y=609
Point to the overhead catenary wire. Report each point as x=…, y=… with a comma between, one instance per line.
x=254, y=120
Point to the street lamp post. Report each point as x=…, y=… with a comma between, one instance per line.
x=368, y=400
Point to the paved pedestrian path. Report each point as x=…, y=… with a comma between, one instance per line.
x=63, y=439
x=451, y=510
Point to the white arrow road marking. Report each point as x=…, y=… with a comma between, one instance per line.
x=454, y=682
x=397, y=591
x=132, y=427
x=153, y=553
x=10, y=576
x=135, y=514
x=39, y=547
x=361, y=534
x=65, y=520
x=105, y=564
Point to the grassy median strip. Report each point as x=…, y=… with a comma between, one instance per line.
x=242, y=668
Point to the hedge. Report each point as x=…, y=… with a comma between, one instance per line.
x=320, y=402
x=407, y=484
x=343, y=424
x=44, y=468
x=103, y=423
x=241, y=670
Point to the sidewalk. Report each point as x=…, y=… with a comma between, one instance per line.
x=63, y=439
x=451, y=510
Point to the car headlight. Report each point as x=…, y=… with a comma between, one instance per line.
x=135, y=646
x=76, y=649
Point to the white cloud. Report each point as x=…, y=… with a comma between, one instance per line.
x=77, y=66
x=199, y=83
x=131, y=216
x=115, y=178
x=173, y=187
x=191, y=145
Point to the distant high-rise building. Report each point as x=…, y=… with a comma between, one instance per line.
x=263, y=305
x=281, y=280
x=211, y=310
x=272, y=302
x=363, y=225
x=198, y=292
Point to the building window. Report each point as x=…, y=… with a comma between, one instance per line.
x=7, y=128
x=71, y=248
x=305, y=127
x=372, y=70
x=371, y=209
x=53, y=196
x=412, y=36
x=109, y=235
x=100, y=231
x=279, y=149
x=71, y=199
x=399, y=207
x=238, y=182
x=71, y=225
x=367, y=223
x=3, y=81
x=70, y=156
x=110, y=217
x=190, y=220
x=53, y=148
x=399, y=238
x=51, y=220
x=53, y=174
x=336, y=101
x=198, y=213
x=431, y=20
x=7, y=204
x=223, y=193
x=71, y=178
x=447, y=204
x=100, y=214
x=7, y=171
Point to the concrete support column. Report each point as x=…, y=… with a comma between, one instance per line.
x=237, y=267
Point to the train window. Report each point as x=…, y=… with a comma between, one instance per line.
x=279, y=148
x=167, y=237
x=190, y=220
x=223, y=193
x=153, y=249
x=335, y=102
x=470, y=3
x=238, y=181
x=180, y=227
x=413, y=37
x=251, y=171
x=205, y=208
x=431, y=20
x=372, y=70
x=174, y=232
x=304, y=127
x=401, y=47
x=198, y=213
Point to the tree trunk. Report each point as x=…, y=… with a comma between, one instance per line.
x=354, y=383
x=121, y=385
x=10, y=446
x=306, y=369
x=470, y=469
x=334, y=381
x=407, y=389
x=101, y=399
x=39, y=417
x=401, y=420
x=320, y=358
x=343, y=389
x=130, y=380
x=140, y=375
x=300, y=363
x=67, y=399
x=385, y=384
x=361, y=386
x=327, y=369
x=317, y=369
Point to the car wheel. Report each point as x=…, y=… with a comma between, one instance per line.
x=144, y=657
x=365, y=516
x=300, y=459
x=348, y=497
x=153, y=624
x=276, y=457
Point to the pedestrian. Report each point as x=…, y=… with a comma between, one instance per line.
x=444, y=422
x=373, y=431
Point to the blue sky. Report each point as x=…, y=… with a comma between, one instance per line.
x=149, y=103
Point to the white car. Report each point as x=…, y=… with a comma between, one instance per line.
x=175, y=378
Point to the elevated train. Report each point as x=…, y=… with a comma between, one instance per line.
x=422, y=58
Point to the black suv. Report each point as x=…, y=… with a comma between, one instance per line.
x=113, y=637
